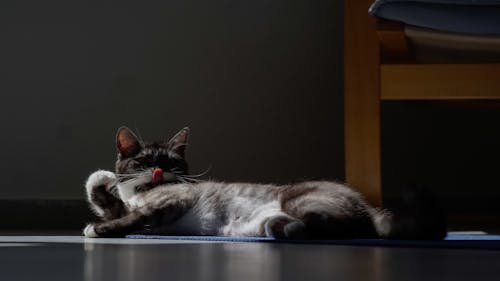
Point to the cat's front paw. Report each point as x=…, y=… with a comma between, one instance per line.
x=89, y=231
x=101, y=178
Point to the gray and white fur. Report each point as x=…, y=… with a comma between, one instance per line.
x=151, y=192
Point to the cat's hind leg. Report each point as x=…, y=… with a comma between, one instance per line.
x=285, y=227
x=99, y=187
x=329, y=212
x=325, y=225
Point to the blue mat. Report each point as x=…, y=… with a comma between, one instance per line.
x=452, y=241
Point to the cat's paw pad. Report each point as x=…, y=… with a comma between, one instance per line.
x=101, y=178
x=89, y=231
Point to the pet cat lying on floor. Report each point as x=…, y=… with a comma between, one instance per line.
x=152, y=193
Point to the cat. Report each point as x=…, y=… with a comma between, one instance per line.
x=151, y=192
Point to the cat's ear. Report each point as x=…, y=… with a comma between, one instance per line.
x=177, y=144
x=127, y=143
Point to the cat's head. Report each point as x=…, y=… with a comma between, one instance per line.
x=153, y=163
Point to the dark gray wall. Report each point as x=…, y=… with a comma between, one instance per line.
x=259, y=82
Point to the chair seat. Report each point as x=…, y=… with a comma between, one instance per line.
x=462, y=16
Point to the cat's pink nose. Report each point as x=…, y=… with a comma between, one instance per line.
x=157, y=176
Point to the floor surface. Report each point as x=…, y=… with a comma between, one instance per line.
x=77, y=258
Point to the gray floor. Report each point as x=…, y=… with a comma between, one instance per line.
x=77, y=258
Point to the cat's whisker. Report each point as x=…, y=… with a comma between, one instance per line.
x=131, y=180
x=201, y=174
x=129, y=175
x=189, y=176
x=189, y=179
x=182, y=180
x=121, y=178
x=144, y=172
x=176, y=171
x=139, y=136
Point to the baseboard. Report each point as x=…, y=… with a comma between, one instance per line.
x=44, y=214
x=485, y=221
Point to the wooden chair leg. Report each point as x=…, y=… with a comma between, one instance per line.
x=362, y=100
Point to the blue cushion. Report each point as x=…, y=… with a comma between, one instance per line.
x=481, y=17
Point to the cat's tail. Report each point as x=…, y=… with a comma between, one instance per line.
x=418, y=216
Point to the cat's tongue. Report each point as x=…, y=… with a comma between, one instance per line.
x=157, y=176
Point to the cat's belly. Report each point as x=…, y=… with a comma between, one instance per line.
x=244, y=222
x=194, y=223
x=250, y=222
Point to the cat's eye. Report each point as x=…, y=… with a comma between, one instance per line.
x=140, y=159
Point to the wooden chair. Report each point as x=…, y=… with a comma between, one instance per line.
x=370, y=80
